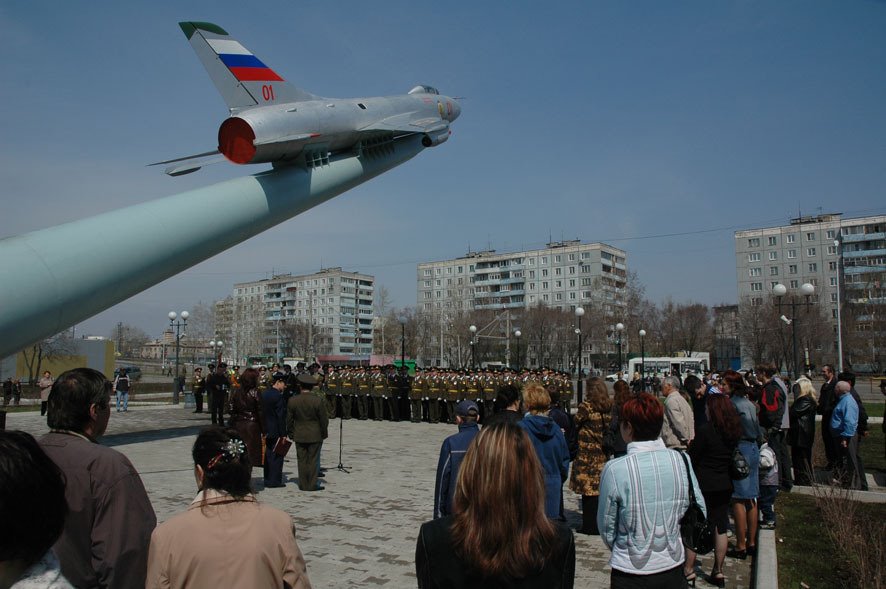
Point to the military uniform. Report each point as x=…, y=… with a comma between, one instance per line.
x=435, y=397
x=378, y=391
x=347, y=392
x=488, y=383
x=392, y=400
x=332, y=382
x=417, y=394
x=363, y=381
x=198, y=384
x=453, y=393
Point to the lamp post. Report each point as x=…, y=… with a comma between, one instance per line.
x=619, y=327
x=178, y=385
x=216, y=346
x=806, y=290
x=473, y=330
x=517, y=334
x=839, y=310
x=579, y=312
x=643, y=357
x=402, y=342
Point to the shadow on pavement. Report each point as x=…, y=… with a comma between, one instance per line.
x=150, y=435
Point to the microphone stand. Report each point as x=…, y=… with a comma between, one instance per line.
x=341, y=433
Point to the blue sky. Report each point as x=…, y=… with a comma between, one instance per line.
x=603, y=121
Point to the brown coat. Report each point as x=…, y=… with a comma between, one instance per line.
x=246, y=418
x=226, y=544
x=589, y=460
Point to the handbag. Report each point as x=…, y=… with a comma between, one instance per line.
x=739, y=468
x=696, y=531
x=282, y=446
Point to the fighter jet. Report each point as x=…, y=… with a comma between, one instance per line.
x=272, y=121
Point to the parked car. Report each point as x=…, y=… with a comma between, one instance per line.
x=134, y=372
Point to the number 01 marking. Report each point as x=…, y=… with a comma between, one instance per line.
x=267, y=92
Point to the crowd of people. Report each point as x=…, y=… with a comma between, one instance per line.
x=498, y=518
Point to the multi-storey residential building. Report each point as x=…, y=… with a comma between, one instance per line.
x=563, y=275
x=844, y=259
x=326, y=315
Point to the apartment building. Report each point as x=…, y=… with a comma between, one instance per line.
x=326, y=316
x=564, y=275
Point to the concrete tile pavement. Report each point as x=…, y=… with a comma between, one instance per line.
x=361, y=530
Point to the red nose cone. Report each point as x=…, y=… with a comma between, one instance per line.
x=235, y=138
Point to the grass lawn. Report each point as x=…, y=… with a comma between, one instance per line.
x=871, y=449
x=806, y=553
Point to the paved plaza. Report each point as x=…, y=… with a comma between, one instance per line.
x=361, y=530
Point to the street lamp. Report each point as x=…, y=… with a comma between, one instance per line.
x=579, y=311
x=517, y=334
x=806, y=290
x=473, y=330
x=216, y=345
x=643, y=357
x=402, y=342
x=839, y=311
x=178, y=383
x=619, y=327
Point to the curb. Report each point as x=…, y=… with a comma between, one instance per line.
x=766, y=561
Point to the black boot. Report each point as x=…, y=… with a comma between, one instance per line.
x=589, y=515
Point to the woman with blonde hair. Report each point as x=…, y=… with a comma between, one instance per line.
x=498, y=534
x=591, y=420
x=550, y=446
x=801, y=436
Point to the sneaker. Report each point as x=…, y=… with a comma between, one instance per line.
x=767, y=526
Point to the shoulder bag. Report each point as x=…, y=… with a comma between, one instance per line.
x=695, y=529
x=739, y=468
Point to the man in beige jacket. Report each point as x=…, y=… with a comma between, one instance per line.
x=679, y=425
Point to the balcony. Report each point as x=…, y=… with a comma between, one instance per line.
x=864, y=253
x=857, y=237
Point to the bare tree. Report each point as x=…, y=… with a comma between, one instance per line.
x=128, y=339
x=201, y=323
x=48, y=349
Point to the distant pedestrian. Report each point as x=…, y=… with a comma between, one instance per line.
x=452, y=453
x=274, y=413
x=827, y=400
x=498, y=534
x=844, y=429
x=45, y=384
x=198, y=386
x=108, y=528
x=246, y=416
x=122, y=385
x=679, y=424
x=217, y=386
x=225, y=538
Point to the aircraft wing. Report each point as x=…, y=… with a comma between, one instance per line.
x=406, y=123
x=190, y=163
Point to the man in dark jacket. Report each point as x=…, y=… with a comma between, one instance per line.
x=827, y=400
x=217, y=387
x=108, y=529
x=274, y=411
x=307, y=423
x=773, y=405
x=452, y=452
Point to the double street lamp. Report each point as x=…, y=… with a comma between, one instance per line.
x=216, y=346
x=517, y=334
x=807, y=291
x=643, y=356
x=178, y=326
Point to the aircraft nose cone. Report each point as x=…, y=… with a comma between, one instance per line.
x=456, y=110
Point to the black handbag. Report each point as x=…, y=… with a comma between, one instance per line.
x=739, y=468
x=696, y=531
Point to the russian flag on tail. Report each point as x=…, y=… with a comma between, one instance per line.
x=245, y=66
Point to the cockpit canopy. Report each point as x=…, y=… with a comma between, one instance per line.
x=421, y=89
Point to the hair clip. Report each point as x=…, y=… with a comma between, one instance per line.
x=234, y=448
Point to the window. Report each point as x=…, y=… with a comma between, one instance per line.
x=558, y=271
x=756, y=302
x=773, y=270
x=531, y=286
x=544, y=260
x=558, y=259
x=532, y=261
x=545, y=285
x=754, y=272
x=571, y=257
x=756, y=287
x=559, y=284
x=572, y=284
x=559, y=296
x=832, y=266
x=437, y=282
x=754, y=242
x=773, y=256
x=461, y=269
x=792, y=269
x=754, y=257
x=833, y=281
x=831, y=234
x=810, y=251
x=810, y=236
x=572, y=269
x=790, y=238
x=572, y=296
x=832, y=250
x=772, y=240
x=794, y=283
x=449, y=270
x=545, y=298
x=792, y=254
x=834, y=313
x=532, y=274
x=438, y=271
x=813, y=267
x=544, y=272
x=772, y=285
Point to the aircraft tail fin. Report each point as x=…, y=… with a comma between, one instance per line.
x=242, y=79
